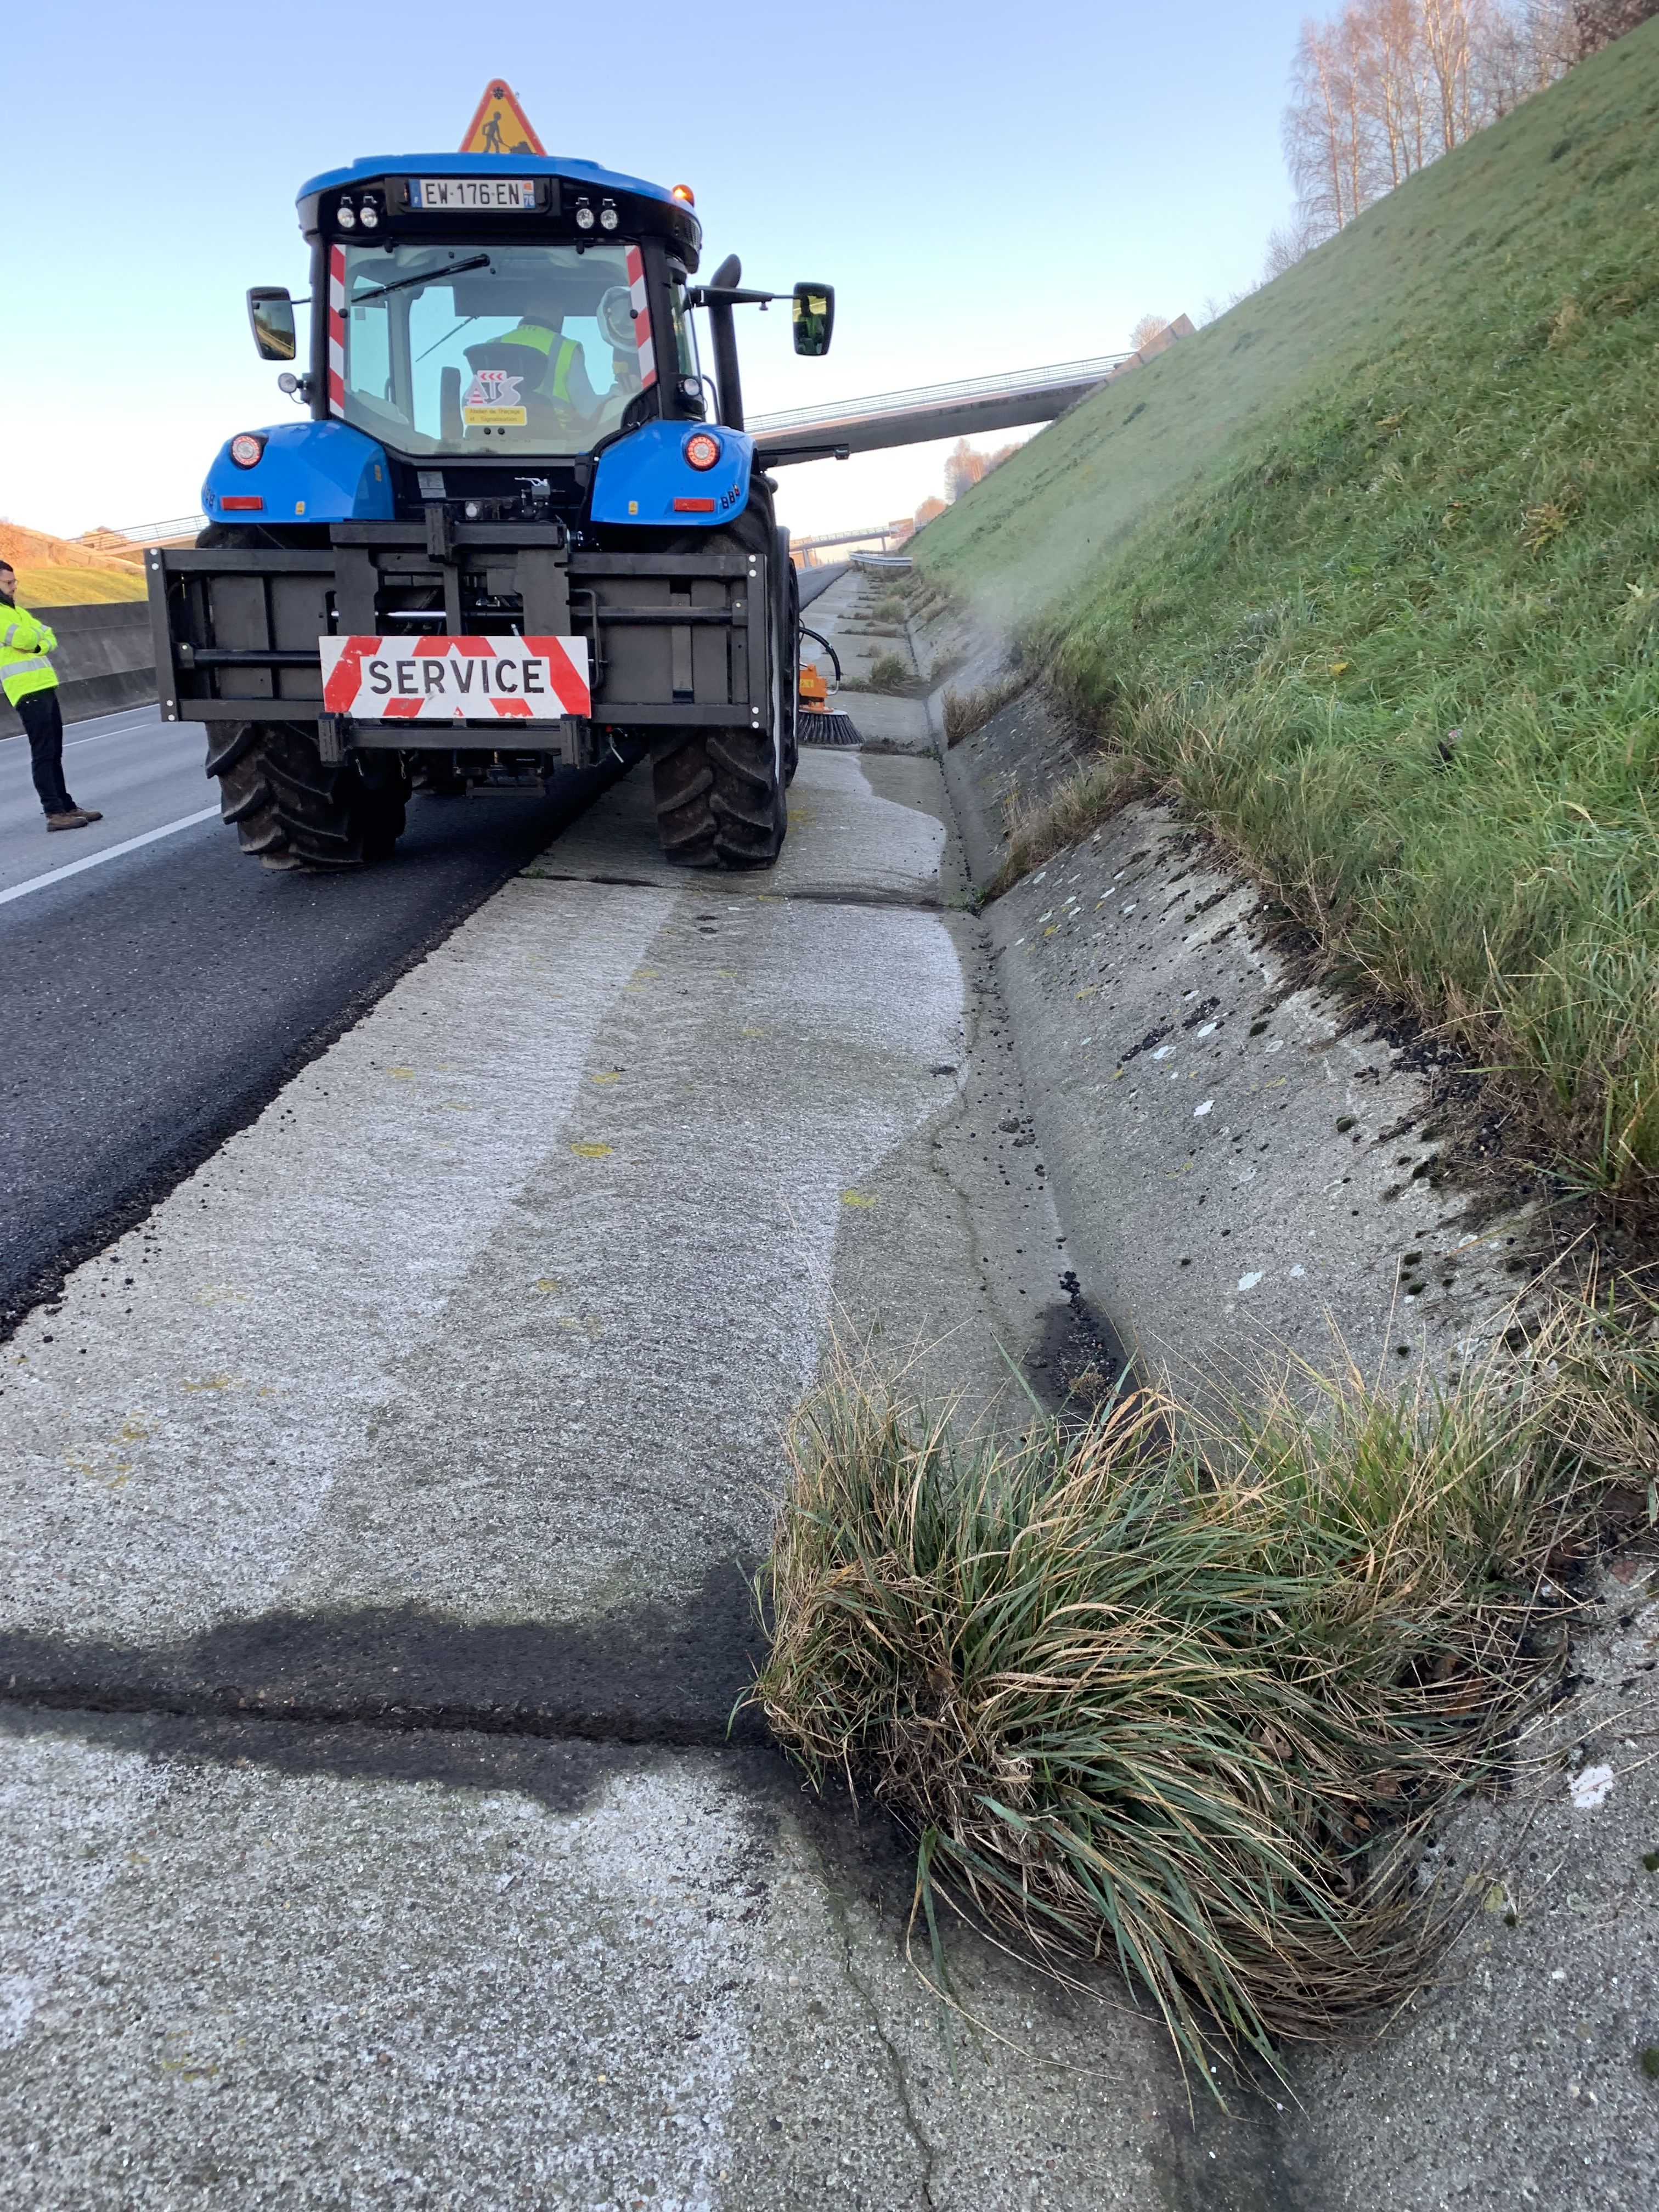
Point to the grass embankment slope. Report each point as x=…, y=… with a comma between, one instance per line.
x=55, y=571
x=1369, y=572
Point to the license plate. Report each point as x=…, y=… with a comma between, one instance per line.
x=471, y=195
x=455, y=679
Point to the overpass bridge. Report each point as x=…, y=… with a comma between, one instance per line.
x=968, y=409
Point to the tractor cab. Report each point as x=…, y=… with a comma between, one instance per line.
x=481, y=313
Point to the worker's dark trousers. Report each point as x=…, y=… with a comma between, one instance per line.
x=42, y=718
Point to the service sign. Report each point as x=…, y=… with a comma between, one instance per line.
x=455, y=679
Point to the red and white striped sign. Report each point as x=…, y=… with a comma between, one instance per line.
x=452, y=679
x=336, y=330
x=637, y=301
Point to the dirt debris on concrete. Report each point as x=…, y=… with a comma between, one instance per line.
x=1520, y=2081
x=1251, y=1169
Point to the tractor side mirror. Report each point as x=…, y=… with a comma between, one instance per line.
x=813, y=315
x=271, y=314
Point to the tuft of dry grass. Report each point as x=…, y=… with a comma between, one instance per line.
x=1184, y=1693
x=1036, y=832
x=890, y=671
x=965, y=711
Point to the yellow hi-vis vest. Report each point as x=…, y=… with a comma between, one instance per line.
x=538, y=335
x=24, y=645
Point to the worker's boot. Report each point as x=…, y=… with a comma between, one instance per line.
x=73, y=820
x=86, y=813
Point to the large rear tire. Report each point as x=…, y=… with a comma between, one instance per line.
x=290, y=808
x=720, y=800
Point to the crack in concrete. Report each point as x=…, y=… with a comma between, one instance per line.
x=835, y=1905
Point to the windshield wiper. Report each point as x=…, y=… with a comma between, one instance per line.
x=426, y=277
x=465, y=323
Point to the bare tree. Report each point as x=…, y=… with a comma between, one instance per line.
x=1385, y=86
x=1148, y=328
x=1287, y=245
x=1597, y=23
x=1449, y=30
x=1317, y=131
x=1526, y=46
x=1394, y=82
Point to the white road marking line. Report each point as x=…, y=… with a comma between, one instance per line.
x=127, y=730
x=137, y=717
x=109, y=852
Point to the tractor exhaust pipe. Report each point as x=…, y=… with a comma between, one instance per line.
x=727, y=278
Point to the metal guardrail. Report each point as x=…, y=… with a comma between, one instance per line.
x=144, y=533
x=1010, y=383
x=882, y=530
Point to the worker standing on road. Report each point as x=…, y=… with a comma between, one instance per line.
x=30, y=683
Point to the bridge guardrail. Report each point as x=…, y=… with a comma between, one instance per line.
x=1011, y=383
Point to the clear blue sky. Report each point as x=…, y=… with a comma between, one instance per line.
x=987, y=188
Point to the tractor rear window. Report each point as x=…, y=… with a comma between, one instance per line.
x=498, y=350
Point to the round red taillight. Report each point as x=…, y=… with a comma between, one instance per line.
x=702, y=449
x=247, y=449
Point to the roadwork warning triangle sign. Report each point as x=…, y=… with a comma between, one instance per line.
x=500, y=125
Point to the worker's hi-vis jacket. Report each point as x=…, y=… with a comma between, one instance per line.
x=540, y=339
x=24, y=645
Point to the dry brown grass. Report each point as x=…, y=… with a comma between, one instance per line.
x=1185, y=1694
x=965, y=711
x=1037, y=831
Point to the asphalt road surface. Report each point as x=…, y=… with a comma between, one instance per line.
x=152, y=998
x=154, y=985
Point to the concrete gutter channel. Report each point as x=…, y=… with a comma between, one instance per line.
x=376, y=1515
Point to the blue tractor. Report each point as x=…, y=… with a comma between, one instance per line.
x=520, y=531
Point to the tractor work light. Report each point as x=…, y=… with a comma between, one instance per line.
x=369, y=218
x=702, y=449
x=345, y=216
x=608, y=216
x=247, y=449
x=684, y=193
x=584, y=216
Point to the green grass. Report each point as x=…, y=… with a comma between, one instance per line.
x=64, y=584
x=1368, y=571
x=1183, y=1695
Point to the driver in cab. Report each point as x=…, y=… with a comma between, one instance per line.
x=553, y=367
